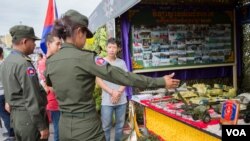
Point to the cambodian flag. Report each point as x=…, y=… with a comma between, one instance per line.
x=48, y=24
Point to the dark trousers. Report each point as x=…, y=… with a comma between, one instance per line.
x=55, y=116
x=5, y=116
x=24, y=128
x=80, y=127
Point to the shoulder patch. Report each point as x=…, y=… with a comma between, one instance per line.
x=100, y=61
x=31, y=71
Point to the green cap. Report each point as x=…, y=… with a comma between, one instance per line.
x=80, y=19
x=22, y=31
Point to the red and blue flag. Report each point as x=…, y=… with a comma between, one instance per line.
x=48, y=24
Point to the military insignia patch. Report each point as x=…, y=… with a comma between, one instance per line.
x=31, y=71
x=100, y=61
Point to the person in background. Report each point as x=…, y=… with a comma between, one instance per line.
x=114, y=98
x=53, y=45
x=23, y=93
x=72, y=72
x=39, y=57
x=4, y=115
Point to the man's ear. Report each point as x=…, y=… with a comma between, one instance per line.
x=24, y=41
x=79, y=31
x=47, y=44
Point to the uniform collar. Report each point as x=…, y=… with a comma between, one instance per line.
x=69, y=45
x=22, y=54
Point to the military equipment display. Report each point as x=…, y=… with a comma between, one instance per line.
x=196, y=111
x=244, y=99
x=196, y=99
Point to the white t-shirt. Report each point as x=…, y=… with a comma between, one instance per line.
x=106, y=98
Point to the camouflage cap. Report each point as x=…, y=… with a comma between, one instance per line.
x=80, y=19
x=22, y=31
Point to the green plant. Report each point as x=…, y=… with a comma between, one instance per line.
x=98, y=98
x=98, y=44
x=100, y=41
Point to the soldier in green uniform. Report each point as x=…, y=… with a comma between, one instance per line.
x=27, y=99
x=72, y=71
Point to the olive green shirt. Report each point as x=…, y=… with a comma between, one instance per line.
x=72, y=72
x=22, y=88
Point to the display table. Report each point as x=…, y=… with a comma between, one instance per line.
x=172, y=126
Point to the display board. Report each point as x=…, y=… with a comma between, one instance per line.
x=178, y=44
x=176, y=39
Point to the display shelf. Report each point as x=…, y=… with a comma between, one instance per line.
x=181, y=67
x=168, y=121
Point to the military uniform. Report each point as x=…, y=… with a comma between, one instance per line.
x=24, y=93
x=72, y=72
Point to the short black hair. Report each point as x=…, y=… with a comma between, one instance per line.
x=112, y=41
x=16, y=41
x=1, y=50
x=40, y=55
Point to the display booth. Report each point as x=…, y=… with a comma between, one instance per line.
x=195, y=39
